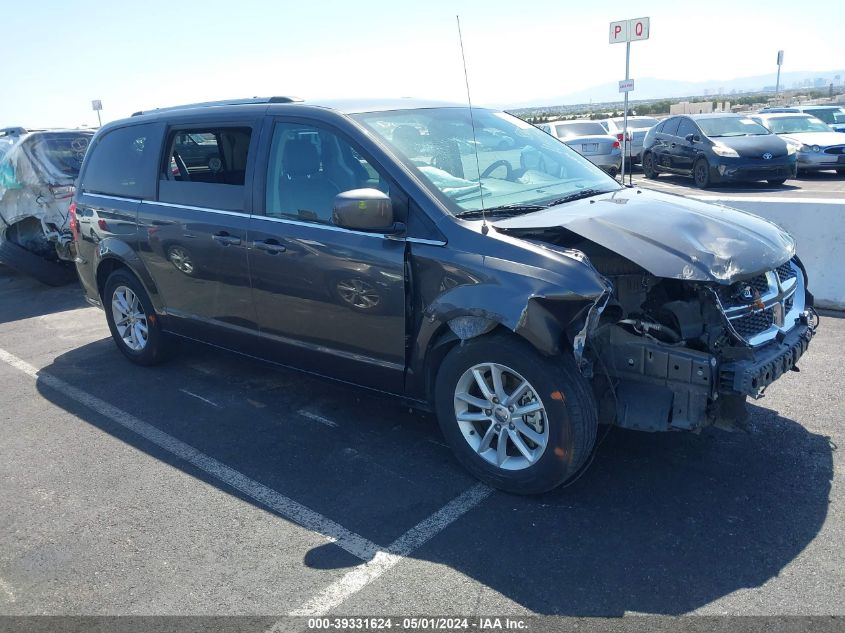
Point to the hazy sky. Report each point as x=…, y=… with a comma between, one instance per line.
x=60, y=54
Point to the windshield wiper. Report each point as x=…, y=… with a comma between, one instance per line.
x=502, y=209
x=577, y=195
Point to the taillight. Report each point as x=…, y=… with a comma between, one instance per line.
x=63, y=191
x=616, y=145
x=102, y=224
x=74, y=223
x=619, y=137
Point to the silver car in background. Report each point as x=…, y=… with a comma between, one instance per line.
x=818, y=146
x=638, y=126
x=589, y=139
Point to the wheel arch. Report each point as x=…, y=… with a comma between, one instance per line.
x=115, y=254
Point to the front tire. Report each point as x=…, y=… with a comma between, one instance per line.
x=133, y=323
x=648, y=166
x=701, y=173
x=517, y=420
x=777, y=182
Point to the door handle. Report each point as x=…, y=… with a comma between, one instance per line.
x=226, y=240
x=271, y=246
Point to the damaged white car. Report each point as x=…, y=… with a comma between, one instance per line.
x=38, y=169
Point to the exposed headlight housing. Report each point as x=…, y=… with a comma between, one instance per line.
x=791, y=148
x=724, y=150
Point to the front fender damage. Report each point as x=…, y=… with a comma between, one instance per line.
x=552, y=323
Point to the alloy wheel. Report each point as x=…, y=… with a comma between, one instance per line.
x=180, y=258
x=501, y=416
x=358, y=293
x=129, y=318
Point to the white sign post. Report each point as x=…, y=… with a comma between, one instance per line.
x=97, y=105
x=777, y=84
x=628, y=31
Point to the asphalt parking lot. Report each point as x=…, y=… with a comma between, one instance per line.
x=218, y=485
x=813, y=185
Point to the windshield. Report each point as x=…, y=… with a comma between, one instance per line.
x=518, y=164
x=579, y=128
x=637, y=122
x=794, y=124
x=730, y=126
x=823, y=114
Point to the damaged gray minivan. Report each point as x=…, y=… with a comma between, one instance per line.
x=513, y=288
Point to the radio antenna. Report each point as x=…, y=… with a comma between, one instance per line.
x=484, y=227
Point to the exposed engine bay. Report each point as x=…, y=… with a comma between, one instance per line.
x=683, y=354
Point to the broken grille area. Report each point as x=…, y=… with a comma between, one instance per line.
x=754, y=323
x=785, y=272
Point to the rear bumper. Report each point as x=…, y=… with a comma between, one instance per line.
x=820, y=160
x=606, y=161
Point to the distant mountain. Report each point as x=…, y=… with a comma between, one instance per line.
x=653, y=88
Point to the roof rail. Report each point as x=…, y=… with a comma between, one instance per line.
x=225, y=102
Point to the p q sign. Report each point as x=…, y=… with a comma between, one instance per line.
x=629, y=30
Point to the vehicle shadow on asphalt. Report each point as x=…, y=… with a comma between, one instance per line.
x=24, y=297
x=661, y=523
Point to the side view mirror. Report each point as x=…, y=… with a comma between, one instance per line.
x=692, y=138
x=365, y=210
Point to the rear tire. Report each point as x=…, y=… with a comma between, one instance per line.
x=557, y=430
x=841, y=171
x=139, y=337
x=50, y=273
x=701, y=173
x=777, y=182
x=648, y=166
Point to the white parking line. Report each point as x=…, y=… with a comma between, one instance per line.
x=317, y=418
x=379, y=560
x=193, y=395
x=355, y=580
x=306, y=517
x=7, y=589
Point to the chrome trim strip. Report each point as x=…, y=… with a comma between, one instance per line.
x=315, y=225
x=187, y=207
x=105, y=197
x=419, y=240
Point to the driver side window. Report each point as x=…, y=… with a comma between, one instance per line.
x=308, y=167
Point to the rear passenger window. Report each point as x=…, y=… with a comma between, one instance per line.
x=122, y=163
x=206, y=167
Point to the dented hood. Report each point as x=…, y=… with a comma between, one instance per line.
x=670, y=236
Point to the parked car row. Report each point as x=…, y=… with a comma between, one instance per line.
x=774, y=144
x=721, y=147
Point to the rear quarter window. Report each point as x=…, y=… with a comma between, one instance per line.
x=123, y=162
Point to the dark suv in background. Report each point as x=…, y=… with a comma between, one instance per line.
x=518, y=291
x=714, y=148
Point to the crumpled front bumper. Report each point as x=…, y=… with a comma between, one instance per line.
x=771, y=361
